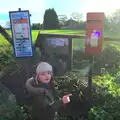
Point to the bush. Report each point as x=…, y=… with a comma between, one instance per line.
x=105, y=94
x=9, y=110
x=105, y=90
x=107, y=99
x=8, y=63
x=6, y=53
x=109, y=59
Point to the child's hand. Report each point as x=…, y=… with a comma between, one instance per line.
x=66, y=98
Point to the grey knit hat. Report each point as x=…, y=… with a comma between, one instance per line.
x=43, y=67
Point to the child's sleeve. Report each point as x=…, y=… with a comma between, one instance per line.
x=56, y=105
x=34, y=90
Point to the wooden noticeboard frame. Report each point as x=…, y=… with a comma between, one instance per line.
x=42, y=37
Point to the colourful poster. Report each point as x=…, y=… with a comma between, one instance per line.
x=21, y=33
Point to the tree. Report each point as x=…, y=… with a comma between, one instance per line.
x=36, y=26
x=50, y=19
x=106, y=23
x=7, y=25
x=115, y=21
x=62, y=19
x=77, y=16
x=82, y=25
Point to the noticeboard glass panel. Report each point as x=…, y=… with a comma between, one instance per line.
x=58, y=45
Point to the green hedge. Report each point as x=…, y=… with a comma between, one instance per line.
x=106, y=88
x=105, y=94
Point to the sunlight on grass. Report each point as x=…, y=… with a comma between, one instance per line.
x=76, y=42
x=3, y=41
x=64, y=31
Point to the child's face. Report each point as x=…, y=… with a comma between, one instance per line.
x=44, y=77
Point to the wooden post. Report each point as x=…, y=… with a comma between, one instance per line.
x=70, y=54
x=90, y=80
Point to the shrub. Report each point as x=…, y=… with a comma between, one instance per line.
x=108, y=99
x=109, y=59
x=105, y=91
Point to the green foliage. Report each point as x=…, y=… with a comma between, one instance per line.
x=109, y=59
x=8, y=63
x=107, y=99
x=6, y=53
x=7, y=58
x=70, y=81
x=14, y=112
x=62, y=19
x=36, y=26
x=51, y=19
x=105, y=92
x=115, y=21
x=21, y=113
x=106, y=23
x=8, y=108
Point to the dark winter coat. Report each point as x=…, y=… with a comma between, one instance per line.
x=44, y=104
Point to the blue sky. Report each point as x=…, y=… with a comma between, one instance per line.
x=62, y=7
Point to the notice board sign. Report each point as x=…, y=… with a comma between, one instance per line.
x=58, y=45
x=58, y=42
x=21, y=33
x=94, y=33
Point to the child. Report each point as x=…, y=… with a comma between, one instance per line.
x=41, y=87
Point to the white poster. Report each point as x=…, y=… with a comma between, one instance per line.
x=58, y=41
x=21, y=31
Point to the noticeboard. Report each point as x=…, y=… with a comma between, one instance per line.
x=21, y=33
x=56, y=47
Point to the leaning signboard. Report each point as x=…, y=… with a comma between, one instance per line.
x=21, y=33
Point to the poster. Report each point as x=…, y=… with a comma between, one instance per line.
x=62, y=42
x=21, y=33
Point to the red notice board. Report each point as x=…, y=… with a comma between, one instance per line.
x=94, y=33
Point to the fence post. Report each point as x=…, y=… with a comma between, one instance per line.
x=70, y=54
x=90, y=80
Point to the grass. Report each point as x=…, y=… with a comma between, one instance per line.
x=76, y=32
x=35, y=33
x=65, y=31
